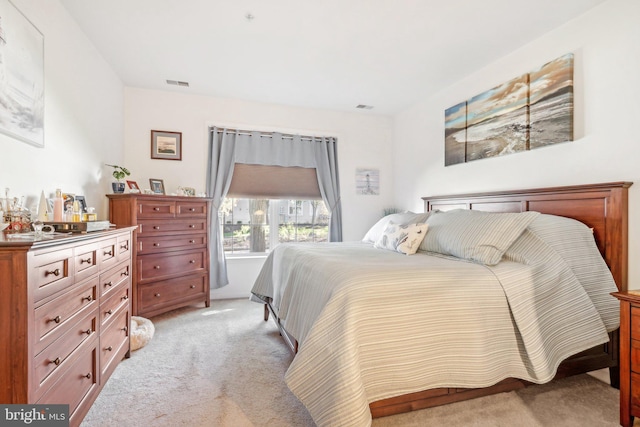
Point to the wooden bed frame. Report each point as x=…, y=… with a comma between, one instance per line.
x=603, y=207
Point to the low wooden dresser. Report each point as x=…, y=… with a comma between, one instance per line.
x=64, y=316
x=171, y=257
x=629, y=356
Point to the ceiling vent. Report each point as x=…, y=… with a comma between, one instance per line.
x=364, y=107
x=177, y=83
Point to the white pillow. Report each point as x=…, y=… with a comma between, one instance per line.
x=376, y=231
x=403, y=238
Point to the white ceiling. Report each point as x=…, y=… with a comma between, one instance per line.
x=332, y=54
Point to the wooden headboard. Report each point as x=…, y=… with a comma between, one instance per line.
x=603, y=207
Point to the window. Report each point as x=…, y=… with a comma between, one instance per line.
x=258, y=225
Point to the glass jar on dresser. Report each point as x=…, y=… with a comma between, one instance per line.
x=171, y=256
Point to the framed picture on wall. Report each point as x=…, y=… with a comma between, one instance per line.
x=166, y=145
x=22, y=67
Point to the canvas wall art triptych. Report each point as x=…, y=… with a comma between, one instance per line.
x=527, y=112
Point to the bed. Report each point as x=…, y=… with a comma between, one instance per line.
x=389, y=335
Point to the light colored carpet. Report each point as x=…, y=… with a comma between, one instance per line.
x=224, y=366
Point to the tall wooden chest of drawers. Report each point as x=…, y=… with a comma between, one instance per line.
x=64, y=316
x=629, y=356
x=171, y=257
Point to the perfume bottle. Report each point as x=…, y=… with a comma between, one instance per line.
x=77, y=214
x=68, y=214
x=89, y=215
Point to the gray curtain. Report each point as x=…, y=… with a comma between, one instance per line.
x=326, y=157
x=219, y=172
x=228, y=146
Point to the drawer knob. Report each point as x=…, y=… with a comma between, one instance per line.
x=156, y=227
x=156, y=244
x=192, y=241
x=156, y=209
x=55, y=319
x=192, y=286
x=88, y=261
x=157, y=267
x=109, y=311
x=109, y=348
x=192, y=209
x=157, y=295
x=125, y=273
x=55, y=272
x=125, y=297
x=88, y=298
x=125, y=329
x=88, y=331
x=192, y=226
x=57, y=361
x=192, y=261
x=109, y=252
x=125, y=247
x=109, y=284
x=88, y=376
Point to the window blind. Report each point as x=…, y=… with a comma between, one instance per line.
x=273, y=182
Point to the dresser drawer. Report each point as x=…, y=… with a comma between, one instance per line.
x=635, y=323
x=188, y=209
x=155, y=267
x=52, y=318
x=114, y=341
x=112, y=278
x=78, y=381
x=51, y=273
x=117, y=302
x=154, y=244
x=85, y=261
x=168, y=292
x=123, y=247
x=156, y=209
x=150, y=228
x=107, y=253
x=53, y=358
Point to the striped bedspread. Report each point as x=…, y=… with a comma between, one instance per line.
x=373, y=324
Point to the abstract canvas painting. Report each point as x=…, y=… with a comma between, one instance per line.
x=530, y=111
x=21, y=77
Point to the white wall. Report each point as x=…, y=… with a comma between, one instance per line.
x=364, y=140
x=606, y=148
x=84, y=117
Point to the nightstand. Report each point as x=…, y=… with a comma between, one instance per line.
x=629, y=356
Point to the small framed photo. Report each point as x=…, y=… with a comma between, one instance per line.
x=189, y=191
x=157, y=186
x=82, y=202
x=166, y=145
x=67, y=200
x=133, y=185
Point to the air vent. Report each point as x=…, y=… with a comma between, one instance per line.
x=177, y=83
x=364, y=107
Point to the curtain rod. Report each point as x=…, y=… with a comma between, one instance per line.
x=269, y=134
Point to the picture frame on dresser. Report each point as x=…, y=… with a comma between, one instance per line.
x=157, y=186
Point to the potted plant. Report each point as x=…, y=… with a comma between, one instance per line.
x=119, y=173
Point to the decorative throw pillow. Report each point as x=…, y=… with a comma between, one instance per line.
x=403, y=238
x=378, y=228
x=478, y=236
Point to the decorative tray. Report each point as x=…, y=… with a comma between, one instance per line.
x=80, y=227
